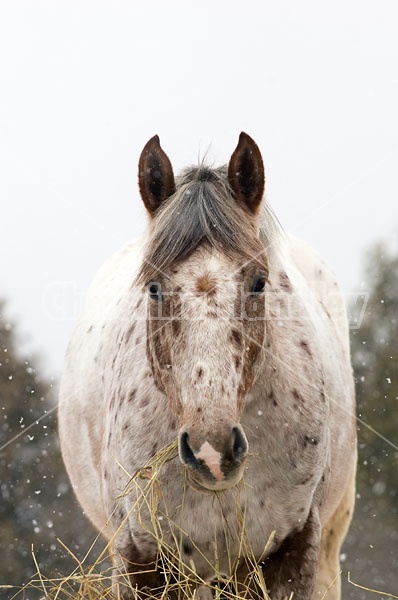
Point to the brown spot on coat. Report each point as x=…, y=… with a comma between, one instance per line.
x=129, y=333
x=236, y=337
x=144, y=402
x=252, y=351
x=176, y=327
x=306, y=480
x=297, y=396
x=272, y=397
x=305, y=346
x=206, y=284
x=311, y=441
x=187, y=547
x=284, y=282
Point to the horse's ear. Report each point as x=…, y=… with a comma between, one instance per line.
x=246, y=173
x=155, y=175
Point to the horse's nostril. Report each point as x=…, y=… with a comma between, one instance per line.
x=185, y=451
x=240, y=445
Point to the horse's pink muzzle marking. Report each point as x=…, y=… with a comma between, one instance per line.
x=214, y=460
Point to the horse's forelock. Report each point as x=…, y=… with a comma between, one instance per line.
x=202, y=212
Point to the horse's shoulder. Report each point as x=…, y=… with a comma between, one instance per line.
x=112, y=281
x=119, y=268
x=97, y=319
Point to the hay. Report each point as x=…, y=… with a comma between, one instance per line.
x=181, y=577
x=99, y=582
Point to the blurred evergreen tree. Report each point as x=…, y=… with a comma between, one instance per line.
x=373, y=540
x=37, y=504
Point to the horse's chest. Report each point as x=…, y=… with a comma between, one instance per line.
x=251, y=516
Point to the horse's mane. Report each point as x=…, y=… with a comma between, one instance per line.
x=203, y=211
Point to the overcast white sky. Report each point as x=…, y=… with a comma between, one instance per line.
x=83, y=86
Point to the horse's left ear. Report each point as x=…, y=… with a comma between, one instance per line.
x=246, y=173
x=155, y=175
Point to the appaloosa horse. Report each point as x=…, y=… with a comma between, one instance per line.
x=221, y=331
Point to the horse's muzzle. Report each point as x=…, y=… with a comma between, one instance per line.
x=214, y=459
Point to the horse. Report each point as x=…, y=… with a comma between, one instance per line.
x=221, y=333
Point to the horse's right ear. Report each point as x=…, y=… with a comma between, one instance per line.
x=155, y=175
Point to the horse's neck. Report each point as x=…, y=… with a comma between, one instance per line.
x=275, y=240
x=291, y=334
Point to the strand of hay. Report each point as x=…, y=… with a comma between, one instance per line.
x=361, y=587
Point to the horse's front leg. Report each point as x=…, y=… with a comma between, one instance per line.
x=293, y=568
x=138, y=573
x=135, y=570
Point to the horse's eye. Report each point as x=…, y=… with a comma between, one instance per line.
x=258, y=285
x=154, y=290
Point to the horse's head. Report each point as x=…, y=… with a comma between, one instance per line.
x=205, y=271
